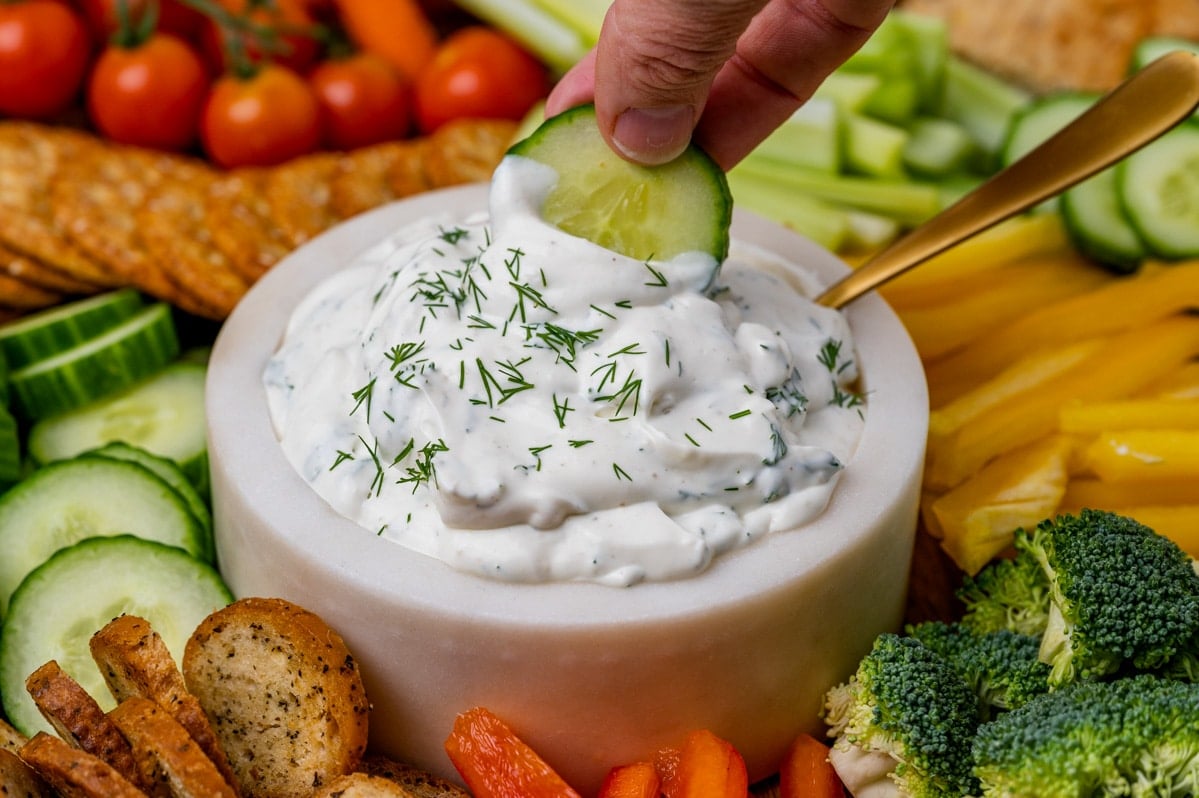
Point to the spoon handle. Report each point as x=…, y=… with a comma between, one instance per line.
x=1135, y=113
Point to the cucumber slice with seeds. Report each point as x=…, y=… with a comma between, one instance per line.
x=1159, y=189
x=45, y=334
x=169, y=472
x=163, y=414
x=115, y=359
x=1099, y=227
x=65, y=502
x=642, y=212
x=65, y=600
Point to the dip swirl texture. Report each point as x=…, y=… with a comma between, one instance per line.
x=527, y=406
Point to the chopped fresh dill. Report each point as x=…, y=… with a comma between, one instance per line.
x=659, y=280
x=453, y=235
x=579, y=444
x=631, y=349
x=423, y=471
x=778, y=446
x=376, y=486
x=561, y=408
x=363, y=396
x=513, y=263
x=342, y=456
x=624, y=304
x=740, y=414
x=703, y=424
x=620, y=472
x=692, y=440
x=600, y=310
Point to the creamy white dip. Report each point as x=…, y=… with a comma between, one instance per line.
x=525, y=405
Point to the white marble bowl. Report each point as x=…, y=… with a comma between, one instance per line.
x=590, y=676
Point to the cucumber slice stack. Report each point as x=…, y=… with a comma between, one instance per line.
x=133, y=349
x=642, y=212
x=84, y=586
x=50, y=332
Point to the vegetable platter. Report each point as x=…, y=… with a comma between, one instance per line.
x=1061, y=347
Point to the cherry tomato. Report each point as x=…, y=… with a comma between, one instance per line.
x=43, y=57
x=284, y=32
x=261, y=120
x=173, y=17
x=150, y=95
x=363, y=101
x=478, y=72
x=398, y=30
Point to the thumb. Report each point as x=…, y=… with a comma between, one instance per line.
x=654, y=66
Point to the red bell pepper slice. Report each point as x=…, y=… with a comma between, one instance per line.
x=807, y=773
x=707, y=767
x=495, y=763
x=636, y=780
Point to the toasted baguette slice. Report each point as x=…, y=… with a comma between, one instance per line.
x=78, y=719
x=283, y=693
x=75, y=773
x=18, y=780
x=362, y=785
x=419, y=783
x=10, y=738
x=171, y=763
x=135, y=662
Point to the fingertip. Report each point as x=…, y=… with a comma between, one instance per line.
x=653, y=136
x=576, y=87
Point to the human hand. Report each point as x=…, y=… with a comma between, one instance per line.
x=727, y=72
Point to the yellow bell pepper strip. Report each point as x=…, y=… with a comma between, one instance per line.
x=1124, y=366
x=977, y=519
x=1098, y=417
x=1140, y=455
x=1123, y=304
x=1116, y=496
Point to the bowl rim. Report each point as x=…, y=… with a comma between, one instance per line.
x=240, y=437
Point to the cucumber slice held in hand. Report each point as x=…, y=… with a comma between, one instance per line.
x=643, y=212
x=77, y=591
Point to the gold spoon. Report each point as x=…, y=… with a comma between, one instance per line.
x=1133, y=114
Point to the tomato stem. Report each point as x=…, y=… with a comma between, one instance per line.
x=134, y=31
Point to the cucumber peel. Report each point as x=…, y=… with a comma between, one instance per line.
x=647, y=213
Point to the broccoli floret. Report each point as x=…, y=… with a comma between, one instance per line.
x=1121, y=596
x=908, y=702
x=1001, y=667
x=1132, y=736
x=1011, y=594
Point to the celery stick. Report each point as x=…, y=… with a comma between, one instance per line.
x=869, y=232
x=810, y=138
x=873, y=147
x=585, y=16
x=822, y=222
x=937, y=148
x=929, y=39
x=981, y=102
x=849, y=90
x=896, y=100
x=906, y=201
x=545, y=35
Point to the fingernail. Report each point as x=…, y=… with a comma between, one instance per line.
x=653, y=135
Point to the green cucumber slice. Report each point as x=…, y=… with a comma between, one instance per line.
x=115, y=359
x=45, y=334
x=1036, y=123
x=1159, y=190
x=65, y=502
x=72, y=595
x=1097, y=224
x=163, y=414
x=10, y=448
x=169, y=472
x=642, y=212
x=1152, y=48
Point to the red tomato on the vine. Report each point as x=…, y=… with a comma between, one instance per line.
x=174, y=17
x=150, y=94
x=478, y=72
x=281, y=31
x=44, y=51
x=264, y=119
x=363, y=101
